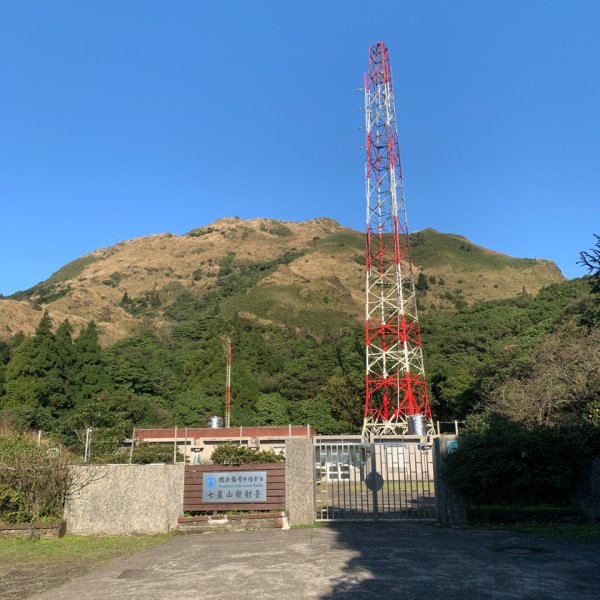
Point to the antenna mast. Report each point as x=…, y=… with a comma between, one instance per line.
x=395, y=376
x=228, y=383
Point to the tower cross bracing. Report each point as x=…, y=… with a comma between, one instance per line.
x=395, y=375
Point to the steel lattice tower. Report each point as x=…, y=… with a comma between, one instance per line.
x=395, y=375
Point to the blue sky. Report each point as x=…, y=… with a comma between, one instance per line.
x=125, y=118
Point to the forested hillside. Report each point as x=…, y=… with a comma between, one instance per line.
x=503, y=333
x=536, y=357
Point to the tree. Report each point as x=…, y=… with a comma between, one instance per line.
x=35, y=387
x=591, y=260
x=90, y=374
x=4, y=359
x=317, y=413
x=65, y=354
x=21, y=383
x=110, y=415
x=193, y=407
x=48, y=368
x=272, y=409
x=422, y=284
x=562, y=386
x=345, y=395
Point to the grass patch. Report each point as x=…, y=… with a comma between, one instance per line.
x=285, y=304
x=47, y=289
x=74, y=548
x=430, y=249
x=72, y=269
x=341, y=241
x=29, y=567
x=588, y=533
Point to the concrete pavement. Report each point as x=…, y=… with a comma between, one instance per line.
x=349, y=561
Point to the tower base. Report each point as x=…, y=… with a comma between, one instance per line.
x=402, y=425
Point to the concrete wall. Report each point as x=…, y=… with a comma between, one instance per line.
x=148, y=499
x=125, y=499
x=300, y=480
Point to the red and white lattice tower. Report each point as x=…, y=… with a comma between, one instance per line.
x=228, y=383
x=395, y=376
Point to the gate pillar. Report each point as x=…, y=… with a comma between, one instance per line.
x=300, y=482
x=451, y=507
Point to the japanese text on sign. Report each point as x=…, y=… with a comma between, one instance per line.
x=244, y=486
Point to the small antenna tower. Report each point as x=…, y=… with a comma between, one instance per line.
x=228, y=383
x=396, y=389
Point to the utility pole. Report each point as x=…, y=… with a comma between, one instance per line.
x=396, y=389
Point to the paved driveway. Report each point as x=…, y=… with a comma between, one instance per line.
x=384, y=560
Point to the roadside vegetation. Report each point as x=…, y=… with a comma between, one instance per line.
x=29, y=567
x=231, y=454
x=586, y=533
x=74, y=548
x=34, y=481
x=526, y=444
x=500, y=463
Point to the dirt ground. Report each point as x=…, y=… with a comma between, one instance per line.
x=29, y=567
x=27, y=579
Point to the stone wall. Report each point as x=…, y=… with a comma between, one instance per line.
x=300, y=480
x=35, y=531
x=245, y=522
x=125, y=499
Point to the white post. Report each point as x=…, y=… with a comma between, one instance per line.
x=175, y=447
x=185, y=448
x=132, y=444
x=86, y=452
x=456, y=427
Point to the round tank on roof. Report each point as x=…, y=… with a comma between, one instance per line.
x=215, y=422
x=417, y=425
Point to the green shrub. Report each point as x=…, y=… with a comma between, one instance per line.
x=230, y=454
x=13, y=508
x=34, y=482
x=502, y=462
x=145, y=453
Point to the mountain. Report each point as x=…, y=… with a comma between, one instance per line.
x=305, y=276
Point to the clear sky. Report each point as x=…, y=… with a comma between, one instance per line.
x=122, y=118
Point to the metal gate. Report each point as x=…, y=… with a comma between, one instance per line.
x=370, y=481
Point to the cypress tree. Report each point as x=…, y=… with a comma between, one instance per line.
x=65, y=354
x=34, y=388
x=90, y=373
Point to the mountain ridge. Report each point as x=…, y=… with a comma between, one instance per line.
x=291, y=274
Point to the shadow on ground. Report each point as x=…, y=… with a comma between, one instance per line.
x=401, y=560
x=384, y=560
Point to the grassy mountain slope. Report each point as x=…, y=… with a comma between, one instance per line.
x=307, y=276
